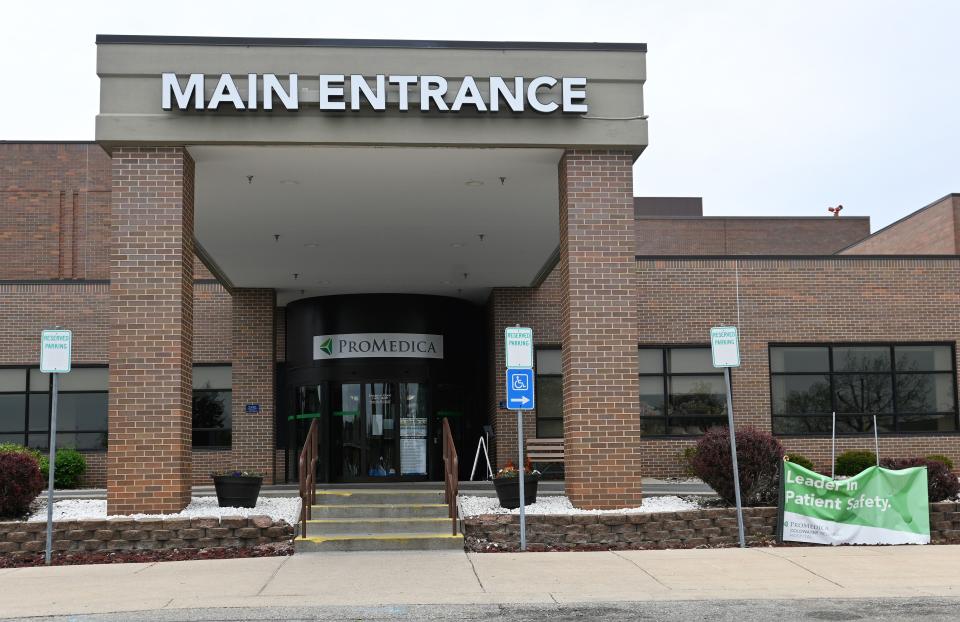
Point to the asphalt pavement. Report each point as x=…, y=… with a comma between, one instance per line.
x=883, y=610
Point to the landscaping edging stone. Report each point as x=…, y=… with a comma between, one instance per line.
x=709, y=527
x=144, y=534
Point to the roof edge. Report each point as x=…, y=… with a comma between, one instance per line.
x=371, y=43
x=949, y=195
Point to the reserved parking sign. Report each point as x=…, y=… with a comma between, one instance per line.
x=725, y=346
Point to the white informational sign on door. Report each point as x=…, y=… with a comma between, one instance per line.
x=518, y=341
x=725, y=346
x=55, y=346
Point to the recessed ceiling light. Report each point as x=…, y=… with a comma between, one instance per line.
x=473, y=183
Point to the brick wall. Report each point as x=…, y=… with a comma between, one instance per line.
x=253, y=375
x=151, y=359
x=714, y=527
x=598, y=326
x=933, y=230
x=19, y=538
x=54, y=208
x=539, y=309
x=805, y=300
x=748, y=236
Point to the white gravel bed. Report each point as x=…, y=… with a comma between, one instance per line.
x=559, y=504
x=277, y=508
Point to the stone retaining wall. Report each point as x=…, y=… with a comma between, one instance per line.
x=144, y=534
x=712, y=527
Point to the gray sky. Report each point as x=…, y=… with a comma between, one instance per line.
x=761, y=107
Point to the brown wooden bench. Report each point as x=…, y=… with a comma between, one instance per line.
x=545, y=450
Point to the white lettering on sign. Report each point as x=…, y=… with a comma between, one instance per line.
x=725, y=346
x=55, y=347
x=434, y=93
x=377, y=345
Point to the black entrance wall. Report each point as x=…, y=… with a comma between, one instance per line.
x=456, y=383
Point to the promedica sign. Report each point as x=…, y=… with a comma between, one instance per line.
x=377, y=345
x=878, y=506
x=429, y=93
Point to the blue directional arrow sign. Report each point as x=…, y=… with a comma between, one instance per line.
x=520, y=389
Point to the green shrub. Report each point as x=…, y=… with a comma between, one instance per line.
x=801, y=461
x=852, y=462
x=71, y=465
x=947, y=462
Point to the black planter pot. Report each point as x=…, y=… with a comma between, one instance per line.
x=237, y=492
x=508, y=490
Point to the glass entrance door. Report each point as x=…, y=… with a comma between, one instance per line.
x=381, y=427
x=378, y=431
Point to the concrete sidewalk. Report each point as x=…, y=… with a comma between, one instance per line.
x=453, y=577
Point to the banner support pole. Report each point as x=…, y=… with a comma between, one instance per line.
x=876, y=439
x=833, y=445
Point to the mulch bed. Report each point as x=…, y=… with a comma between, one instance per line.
x=126, y=557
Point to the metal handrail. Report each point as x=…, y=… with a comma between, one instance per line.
x=308, y=475
x=451, y=474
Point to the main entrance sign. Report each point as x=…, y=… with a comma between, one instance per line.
x=430, y=93
x=377, y=345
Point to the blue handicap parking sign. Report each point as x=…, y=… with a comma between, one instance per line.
x=520, y=389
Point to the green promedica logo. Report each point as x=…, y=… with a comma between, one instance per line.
x=878, y=506
x=327, y=346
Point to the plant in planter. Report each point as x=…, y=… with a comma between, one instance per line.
x=507, y=484
x=237, y=489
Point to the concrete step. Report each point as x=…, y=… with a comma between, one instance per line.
x=380, y=542
x=380, y=510
x=374, y=526
x=377, y=496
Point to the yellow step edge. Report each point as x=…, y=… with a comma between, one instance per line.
x=383, y=505
x=376, y=491
x=379, y=520
x=423, y=536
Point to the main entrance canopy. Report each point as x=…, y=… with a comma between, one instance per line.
x=337, y=166
x=301, y=168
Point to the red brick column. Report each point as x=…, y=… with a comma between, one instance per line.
x=253, y=374
x=151, y=332
x=601, y=393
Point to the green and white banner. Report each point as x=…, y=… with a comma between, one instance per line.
x=878, y=506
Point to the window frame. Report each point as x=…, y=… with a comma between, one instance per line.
x=194, y=392
x=537, y=376
x=25, y=433
x=666, y=375
x=895, y=414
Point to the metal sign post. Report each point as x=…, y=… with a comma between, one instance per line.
x=725, y=349
x=518, y=341
x=522, y=476
x=55, y=347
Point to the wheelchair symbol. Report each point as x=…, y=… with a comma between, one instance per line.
x=519, y=383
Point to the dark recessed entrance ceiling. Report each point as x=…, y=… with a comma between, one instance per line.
x=376, y=220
